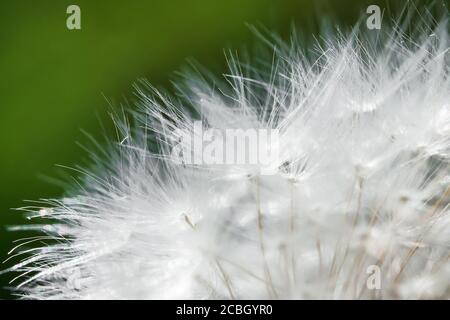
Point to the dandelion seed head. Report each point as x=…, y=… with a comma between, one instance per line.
x=361, y=179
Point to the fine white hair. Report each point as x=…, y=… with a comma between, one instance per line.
x=357, y=205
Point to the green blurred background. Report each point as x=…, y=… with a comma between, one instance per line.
x=54, y=81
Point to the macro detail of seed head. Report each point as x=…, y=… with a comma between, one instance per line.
x=323, y=174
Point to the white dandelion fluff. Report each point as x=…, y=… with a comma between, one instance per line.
x=356, y=203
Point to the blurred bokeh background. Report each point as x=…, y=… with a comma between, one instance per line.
x=55, y=82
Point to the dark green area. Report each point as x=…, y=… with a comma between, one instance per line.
x=54, y=81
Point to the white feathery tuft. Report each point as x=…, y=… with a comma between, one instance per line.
x=360, y=188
